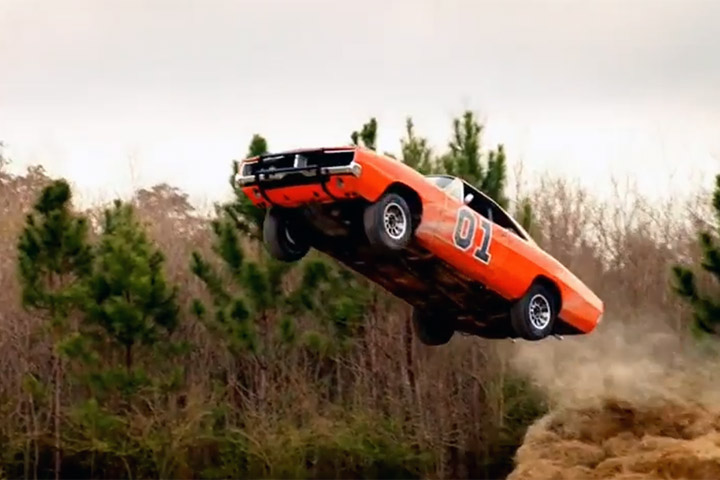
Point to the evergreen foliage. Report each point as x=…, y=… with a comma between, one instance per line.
x=245, y=216
x=524, y=215
x=129, y=296
x=337, y=299
x=415, y=150
x=53, y=254
x=367, y=135
x=465, y=159
x=706, y=309
x=245, y=293
x=53, y=259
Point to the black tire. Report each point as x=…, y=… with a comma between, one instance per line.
x=430, y=329
x=283, y=237
x=533, y=316
x=388, y=223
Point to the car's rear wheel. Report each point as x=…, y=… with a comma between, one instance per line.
x=388, y=223
x=283, y=237
x=431, y=329
x=533, y=316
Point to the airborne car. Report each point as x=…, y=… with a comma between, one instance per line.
x=434, y=241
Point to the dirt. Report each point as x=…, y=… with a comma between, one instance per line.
x=626, y=404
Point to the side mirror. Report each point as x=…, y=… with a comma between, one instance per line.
x=468, y=198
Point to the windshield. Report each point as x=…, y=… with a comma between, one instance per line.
x=452, y=185
x=439, y=180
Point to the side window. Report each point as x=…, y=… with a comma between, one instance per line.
x=478, y=204
x=491, y=212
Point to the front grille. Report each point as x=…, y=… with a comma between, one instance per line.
x=310, y=158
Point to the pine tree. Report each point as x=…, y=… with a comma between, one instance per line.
x=247, y=217
x=240, y=283
x=336, y=296
x=246, y=295
x=129, y=296
x=249, y=309
x=367, y=136
x=53, y=258
x=465, y=159
x=493, y=183
x=244, y=291
x=258, y=146
x=524, y=214
x=706, y=310
x=415, y=150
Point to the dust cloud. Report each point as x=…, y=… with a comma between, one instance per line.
x=629, y=401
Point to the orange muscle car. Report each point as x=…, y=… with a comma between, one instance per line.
x=434, y=241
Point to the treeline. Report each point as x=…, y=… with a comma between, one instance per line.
x=143, y=340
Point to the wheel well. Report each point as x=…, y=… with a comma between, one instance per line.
x=552, y=286
x=411, y=197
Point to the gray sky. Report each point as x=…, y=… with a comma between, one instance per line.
x=582, y=88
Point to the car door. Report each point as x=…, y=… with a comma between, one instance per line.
x=467, y=236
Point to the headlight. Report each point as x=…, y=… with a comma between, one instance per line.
x=236, y=179
x=240, y=171
x=243, y=167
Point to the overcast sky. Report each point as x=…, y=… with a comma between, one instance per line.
x=581, y=88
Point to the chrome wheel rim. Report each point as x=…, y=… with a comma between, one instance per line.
x=394, y=220
x=289, y=237
x=539, y=310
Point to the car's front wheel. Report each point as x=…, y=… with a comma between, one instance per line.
x=533, y=316
x=431, y=329
x=388, y=223
x=283, y=237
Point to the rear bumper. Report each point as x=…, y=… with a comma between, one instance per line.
x=289, y=176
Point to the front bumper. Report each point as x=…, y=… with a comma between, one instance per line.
x=280, y=176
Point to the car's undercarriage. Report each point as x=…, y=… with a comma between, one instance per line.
x=414, y=275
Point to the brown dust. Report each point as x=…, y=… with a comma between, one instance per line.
x=630, y=401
